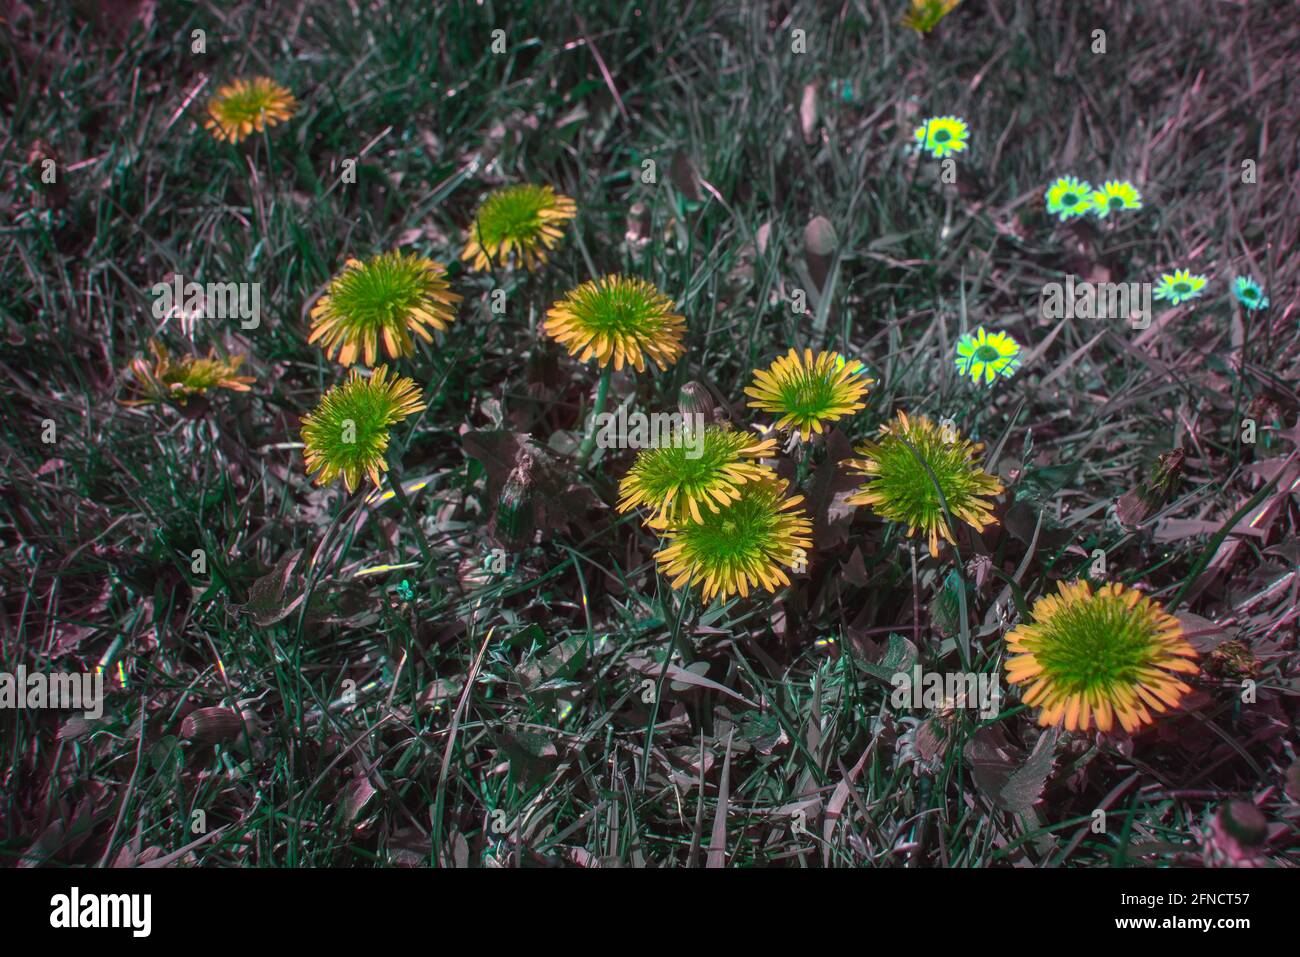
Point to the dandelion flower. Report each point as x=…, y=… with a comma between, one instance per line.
x=901, y=479
x=347, y=434
x=390, y=296
x=1179, y=286
x=747, y=543
x=1091, y=658
x=169, y=379
x=1249, y=293
x=987, y=354
x=1115, y=195
x=247, y=106
x=925, y=15
x=525, y=220
x=942, y=136
x=691, y=471
x=618, y=319
x=807, y=392
x=1069, y=197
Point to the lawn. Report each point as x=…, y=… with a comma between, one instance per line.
x=480, y=661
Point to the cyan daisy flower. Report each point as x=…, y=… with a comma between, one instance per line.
x=942, y=136
x=1069, y=197
x=987, y=354
x=1114, y=195
x=1178, y=286
x=1249, y=293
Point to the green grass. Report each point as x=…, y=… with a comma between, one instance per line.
x=389, y=730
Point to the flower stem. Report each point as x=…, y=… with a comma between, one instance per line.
x=404, y=504
x=589, y=442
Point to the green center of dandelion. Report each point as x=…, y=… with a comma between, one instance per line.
x=1069, y=199
x=1248, y=293
x=246, y=105
x=987, y=354
x=1182, y=288
x=1097, y=645
x=614, y=309
x=911, y=491
x=367, y=433
x=514, y=215
x=744, y=531
x=807, y=396
x=673, y=467
x=379, y=294
x=1116, y=202
x=942, y=136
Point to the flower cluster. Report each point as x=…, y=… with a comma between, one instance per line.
x=1069, y=198
x=1183, y=285
x=729, y=523
x=383, y=299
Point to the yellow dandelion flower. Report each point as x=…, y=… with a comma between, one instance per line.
x=618, y=319
x=807, y=391
x=523, y=220
x=1096, y=658
x=389, y=296
x=987, y=355
x=347, y=433
x=248, y=106
x=745, y=544
x=178, y=379
x=942, y=136
x=925, y=15
x=693, y=471
x=902, y=467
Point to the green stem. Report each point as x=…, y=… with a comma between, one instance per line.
x=404, y=504
x=679, y=640
x=683, y=648
x=589, y=442
x=804, y=466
